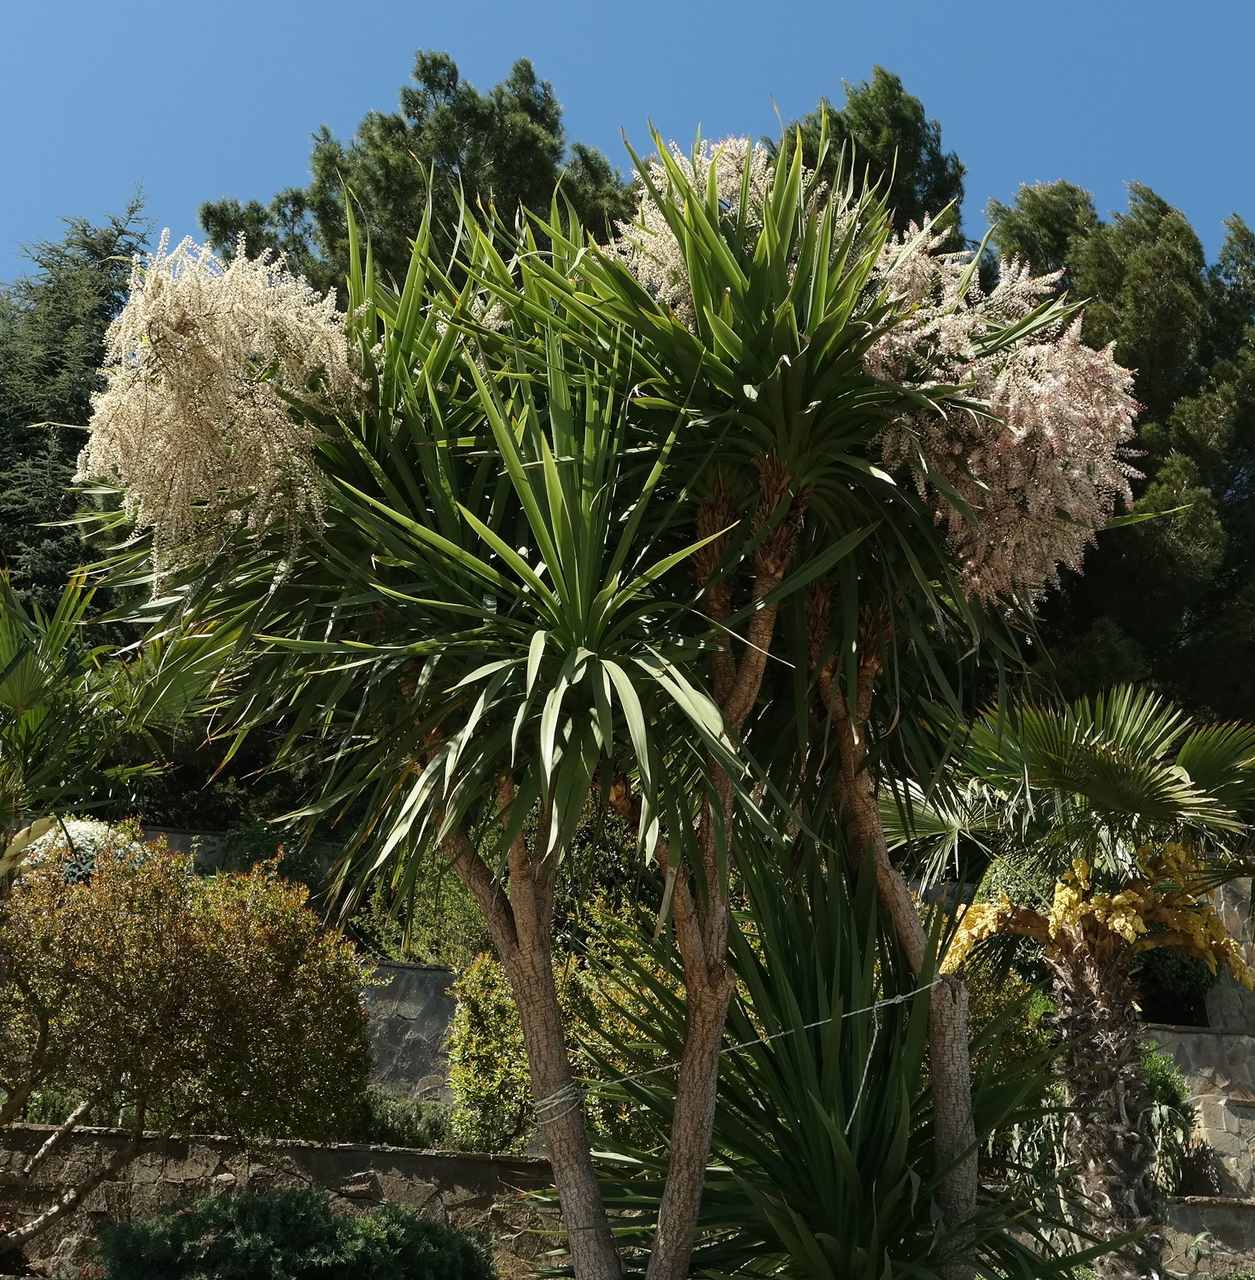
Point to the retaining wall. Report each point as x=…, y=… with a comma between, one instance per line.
x=463, y=1189
x=1215, y=1234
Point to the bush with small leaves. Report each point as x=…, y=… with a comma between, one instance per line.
x=290, y=1235
x=183, y=1003
x=386, y=1121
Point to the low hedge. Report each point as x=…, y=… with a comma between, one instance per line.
x=290, y=1235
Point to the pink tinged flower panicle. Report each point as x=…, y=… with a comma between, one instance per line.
x=1022, y=481
x=1024, y=474
x=192, y=423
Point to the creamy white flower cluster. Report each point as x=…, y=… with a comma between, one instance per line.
x=192, y=424
x=1022, y=488
x=646, y=242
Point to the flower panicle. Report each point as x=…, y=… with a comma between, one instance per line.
x=194, y=423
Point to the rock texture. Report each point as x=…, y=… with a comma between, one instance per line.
x=410, y=1009
x=1209, y=1236
x=1215, y=1234
x=1220, y=1069
x=465, y=1190
x=1229, y=1006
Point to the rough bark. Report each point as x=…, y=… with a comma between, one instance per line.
x=950, y=1078
x=520, y=924
x=703, y=918
x=56, y=1138
x=696, y=1094
x=560, y=1114
x=1108, y=1127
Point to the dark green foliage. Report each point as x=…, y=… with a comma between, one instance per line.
x=253, y=842
x=507, y=146
x=827, y=1123
x=399, y=1122
x=488, y=1074
x=52, y=325
x=290, y=1235
x=1045, y=225
x=1173, y=987
x=1169, y=599
x=1173, y=1117
x=885, y=129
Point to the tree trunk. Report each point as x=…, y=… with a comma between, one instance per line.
x=18, y=1237
x=521, y=928
x=696, y=1089
x=1109, y=1126
x=560, y=1115
x=950, y=1069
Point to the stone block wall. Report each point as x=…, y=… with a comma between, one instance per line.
x=470, y=1191
x=1209, y=1236
x=1219, y=1067
x=410, y=1008
x=1215, y=1234
x=1229, y=1006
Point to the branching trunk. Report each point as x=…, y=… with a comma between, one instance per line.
x=520, y=922
x=1109, y=1126
x=703, y=919
x=521, y=927
x=708, y=986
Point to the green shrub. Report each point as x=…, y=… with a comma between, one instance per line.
x=400, y=1122
x=1172, y=1118
x=448, y=929
x=174, y=1002
x=488, y=1075
x=1010, y=1019
x=290, y=1235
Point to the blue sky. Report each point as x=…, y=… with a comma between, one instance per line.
x=200, y=101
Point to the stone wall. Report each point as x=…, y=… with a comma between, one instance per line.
x=466, y=1190
x=410, y=1009
x=1229, y=1006
x=1219, y=1068
x=1215, y=1234
x=1209, y=1236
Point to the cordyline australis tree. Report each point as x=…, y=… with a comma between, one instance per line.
x=1103, y=824
x=579, y=500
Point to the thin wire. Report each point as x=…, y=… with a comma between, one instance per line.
x=572, y=1094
